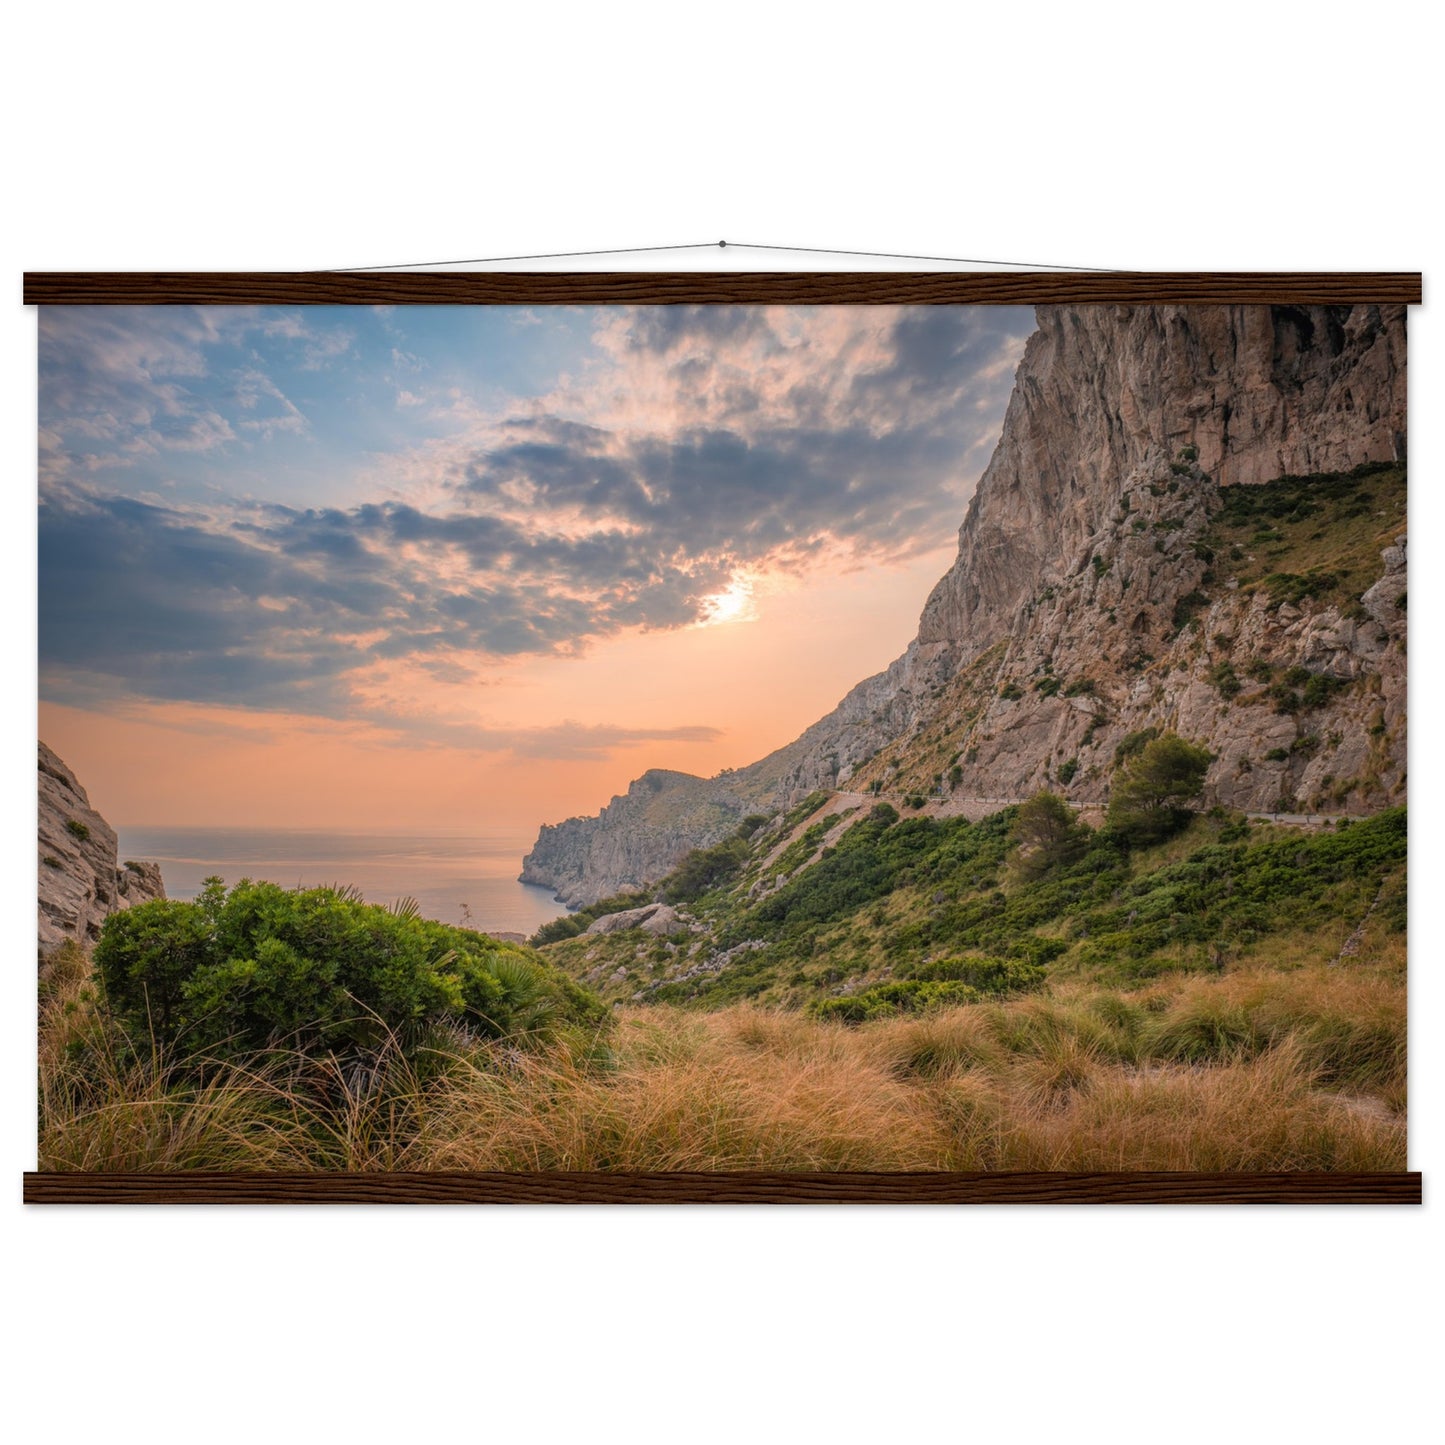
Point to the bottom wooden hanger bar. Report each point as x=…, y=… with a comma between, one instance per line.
x=689, y=1188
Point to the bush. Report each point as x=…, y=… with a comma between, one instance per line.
x=704, y=869
x=319, y=971
x=1187, y=608
x=1224, y=677
x=1133, y=744
x=81, y=831
x=994, y=976
x=888, y=999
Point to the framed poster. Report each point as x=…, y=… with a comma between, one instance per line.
x=723, y=737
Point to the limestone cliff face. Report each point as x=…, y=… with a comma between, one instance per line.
x=637, y=837
x=1259, y=392
x=1083, y=540
x=1085, y=499
x=80, y=881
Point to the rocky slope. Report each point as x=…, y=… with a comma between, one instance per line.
x=81, y=881
x=1089, y=598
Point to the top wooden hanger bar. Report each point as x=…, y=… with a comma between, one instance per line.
x=655, y=288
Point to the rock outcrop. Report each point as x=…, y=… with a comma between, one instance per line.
x=656, y=918
x=80, y=882
x=1082, y=558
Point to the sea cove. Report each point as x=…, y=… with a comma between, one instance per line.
x=469, y=880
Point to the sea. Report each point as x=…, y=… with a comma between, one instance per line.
x=471, y=881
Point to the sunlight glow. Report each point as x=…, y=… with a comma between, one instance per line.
x=733, y=604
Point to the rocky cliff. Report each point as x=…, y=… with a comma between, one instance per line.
x=80, y=880
x=1105, y=583
x=638, y=836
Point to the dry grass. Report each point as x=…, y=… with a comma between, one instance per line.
x=1296, y=1070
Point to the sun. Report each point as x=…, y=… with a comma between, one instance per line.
x=733, y=604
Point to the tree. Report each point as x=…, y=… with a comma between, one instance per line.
x=1149, y=799
x=1046, y=835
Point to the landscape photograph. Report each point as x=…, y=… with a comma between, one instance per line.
x=722, y=738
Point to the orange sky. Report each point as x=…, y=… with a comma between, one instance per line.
x=474, y=569
x=767, y=677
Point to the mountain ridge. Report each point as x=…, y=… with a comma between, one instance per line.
x=1087, y=600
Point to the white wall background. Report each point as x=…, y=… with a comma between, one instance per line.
x=1242, y=136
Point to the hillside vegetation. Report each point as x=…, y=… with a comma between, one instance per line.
x=1318, y=537
x=950, y=995
x=907, y=902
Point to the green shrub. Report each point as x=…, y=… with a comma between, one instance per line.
x=1187, y=608
x=1301, y=690
x=888, y=999
x=319, y=971
x=704, y=869
x=81, y=831
x=1224, y=677
x=1134, y=743
x=994, y=976
x=1010, y=692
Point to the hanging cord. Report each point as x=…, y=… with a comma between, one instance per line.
x=722, y=246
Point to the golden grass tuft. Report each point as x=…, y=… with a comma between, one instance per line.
x=1251, y=1070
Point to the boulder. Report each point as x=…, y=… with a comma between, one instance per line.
x=655, y=918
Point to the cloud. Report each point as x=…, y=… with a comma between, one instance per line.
x=270, y=410
x=118, y=382
x=569, y=741
x=692, y=446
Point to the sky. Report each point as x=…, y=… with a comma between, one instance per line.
x=472, y=569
